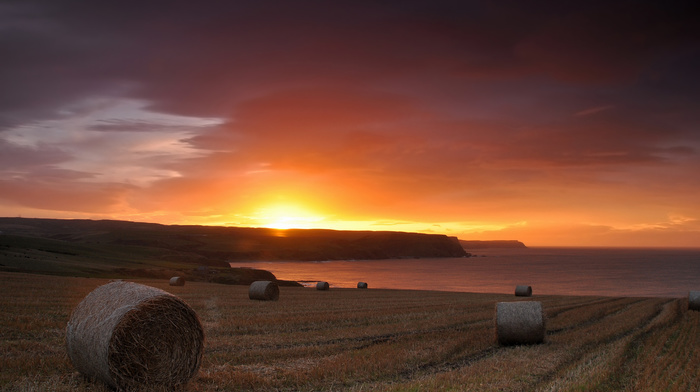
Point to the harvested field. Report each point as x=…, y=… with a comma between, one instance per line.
x=372, y=340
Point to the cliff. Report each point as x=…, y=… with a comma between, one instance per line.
x=468, y=244
x=133, y=243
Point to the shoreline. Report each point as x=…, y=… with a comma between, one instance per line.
x=665, y=273
x=157, y=281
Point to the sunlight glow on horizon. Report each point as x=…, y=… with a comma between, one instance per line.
x=547, y=132
x=289, y=216
x=285, y=216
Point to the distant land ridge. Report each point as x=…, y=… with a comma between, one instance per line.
x=218, y=245
x=474, y=244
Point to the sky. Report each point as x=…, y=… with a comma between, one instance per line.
x=553, y=123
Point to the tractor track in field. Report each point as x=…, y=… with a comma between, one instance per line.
x=454, y=363
x=640, y=331
x=605, y=313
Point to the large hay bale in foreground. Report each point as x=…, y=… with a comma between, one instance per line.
x=519, y=322
x=177, y=281
x=694, y=300
x=264, y=290
x=132, y=336
x=523, y=291
x=322, y=286
x=361, y=285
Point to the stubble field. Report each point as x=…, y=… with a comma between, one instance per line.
x=372, y=340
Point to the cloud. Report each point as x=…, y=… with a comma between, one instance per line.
x=594, y=110
x=197, y=60
x=55, y=195
x=433, y=111
x=17, y=157
x=606, y=42
x=542, y=233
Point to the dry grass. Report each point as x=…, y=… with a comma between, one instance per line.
x=373, y=340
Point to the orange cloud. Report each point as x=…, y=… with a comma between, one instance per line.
x=566, y=125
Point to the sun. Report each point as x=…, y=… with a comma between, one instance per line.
x=287, y=216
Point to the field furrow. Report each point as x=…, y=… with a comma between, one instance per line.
x=373, y=340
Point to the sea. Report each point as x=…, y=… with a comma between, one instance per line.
x=628, y=272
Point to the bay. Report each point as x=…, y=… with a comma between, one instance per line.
x=550, y=271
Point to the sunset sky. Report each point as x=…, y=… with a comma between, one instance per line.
x=554, y=123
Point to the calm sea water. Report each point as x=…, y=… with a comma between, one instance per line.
x=557, y=271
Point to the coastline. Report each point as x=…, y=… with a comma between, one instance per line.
x=310, y=285
x=668, y=273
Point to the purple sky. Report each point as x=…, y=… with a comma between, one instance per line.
x=557, y=123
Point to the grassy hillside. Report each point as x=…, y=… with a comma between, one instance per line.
x=373, y=340
x=89, y=252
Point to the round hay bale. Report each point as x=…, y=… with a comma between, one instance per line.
x=177, y=281
x=132, y=336
x=322, y=286
x=519, y=322
x=694, y=300
x=361, y=285
x=264, y=290
x=523, y=291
